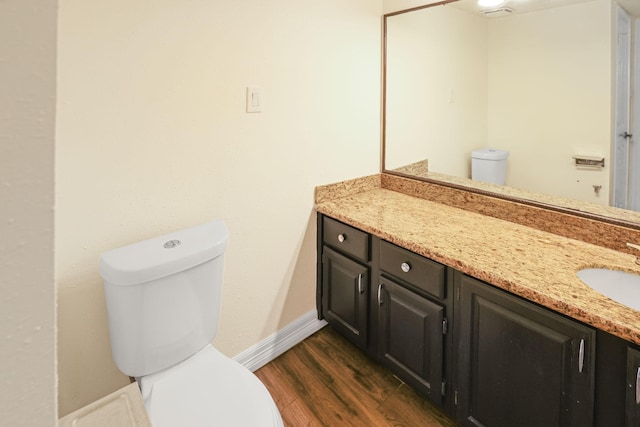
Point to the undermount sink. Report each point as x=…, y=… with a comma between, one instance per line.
x=618, y=285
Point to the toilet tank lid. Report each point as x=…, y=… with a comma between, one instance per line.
x=164, y=255
x=490, y=154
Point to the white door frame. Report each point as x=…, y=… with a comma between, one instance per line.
x=620, y=149
x=634, y=150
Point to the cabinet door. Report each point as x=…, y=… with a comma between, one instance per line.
x=345, y=289
x=633, y=388
x=411, y=337
x=520, y=364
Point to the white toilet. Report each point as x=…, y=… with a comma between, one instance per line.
x=163, y=300
x=489, y=165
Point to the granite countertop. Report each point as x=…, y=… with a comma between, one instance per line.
x=533, y=264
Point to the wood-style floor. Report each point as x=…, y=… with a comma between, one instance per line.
x=326, y=381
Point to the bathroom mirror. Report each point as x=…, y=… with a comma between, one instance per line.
x=548, y=81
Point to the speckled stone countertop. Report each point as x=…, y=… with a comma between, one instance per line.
x=533, y=264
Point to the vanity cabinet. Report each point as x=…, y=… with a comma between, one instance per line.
x=411, y=319
x=345, y=280
x=519, y=364
x=617, y=382
x=400, y=318
x=485, y=356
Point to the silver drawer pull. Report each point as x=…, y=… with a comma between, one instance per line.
x=342, y=237
x=360, y=288
x=638, y=386
x=380, y=294
x=405, y=266
x=581, y=356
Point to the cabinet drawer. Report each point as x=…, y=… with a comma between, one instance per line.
x=424, y=274
x=346, y=239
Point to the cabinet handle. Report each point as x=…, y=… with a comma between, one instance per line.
x=405, y=266
x=581, y=356
x=638, y=386
x=342, y=237
x=380, y=294
x=360, y=288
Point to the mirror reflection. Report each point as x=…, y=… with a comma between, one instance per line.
x=538, y=95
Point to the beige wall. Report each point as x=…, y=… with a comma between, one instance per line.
x=152, y=136
x=551, y=98
x=390, y=6
x=27, y=305
x=436, y=88
x=537, y=84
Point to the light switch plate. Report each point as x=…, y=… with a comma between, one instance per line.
x=254, y=99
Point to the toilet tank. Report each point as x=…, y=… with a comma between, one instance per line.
x=163, y=297
x=489, y=165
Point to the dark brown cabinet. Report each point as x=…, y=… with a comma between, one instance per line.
x=411, y=338
x=412, y=324
x=485, y=356
x=399, y=319
x=519, y=364
x=344, y=296
x=345, y=293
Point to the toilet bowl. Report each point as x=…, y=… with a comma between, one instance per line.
x=208, y=389
x=163, y=301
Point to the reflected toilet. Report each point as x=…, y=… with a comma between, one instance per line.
x=489, y=165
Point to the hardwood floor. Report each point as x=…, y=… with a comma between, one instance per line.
x=326, y=381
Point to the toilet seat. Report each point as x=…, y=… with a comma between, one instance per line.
x=208, y=389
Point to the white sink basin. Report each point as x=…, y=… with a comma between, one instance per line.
x=618, y=285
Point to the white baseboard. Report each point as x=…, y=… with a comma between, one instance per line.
x=273, y=346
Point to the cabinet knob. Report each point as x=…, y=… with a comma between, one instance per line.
x=405, y=266
x=342, y=237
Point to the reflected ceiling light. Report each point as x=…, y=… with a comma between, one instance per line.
x=490, y=3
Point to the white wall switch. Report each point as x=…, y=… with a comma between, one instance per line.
x=254, y=99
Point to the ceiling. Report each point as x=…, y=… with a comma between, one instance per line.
x=631, y=6
x=524, y=6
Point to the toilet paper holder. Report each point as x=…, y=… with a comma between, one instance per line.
x=589, y=161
